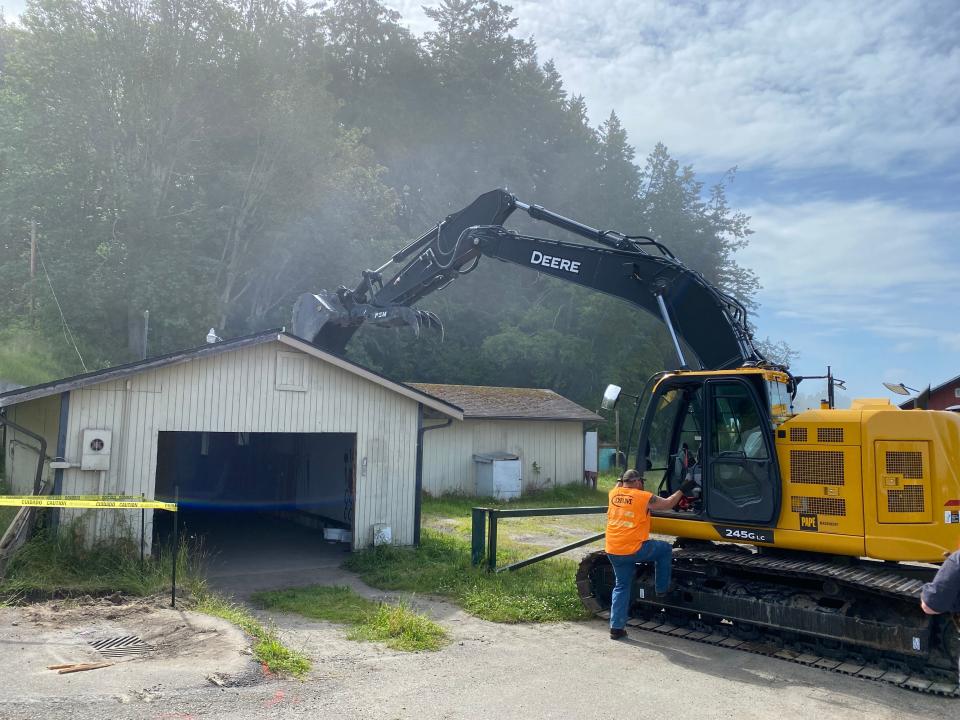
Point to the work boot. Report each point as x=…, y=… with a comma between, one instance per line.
x=668, y=593
x=617, y=633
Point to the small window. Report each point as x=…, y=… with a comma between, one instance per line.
x=956, y=392
x=291, y=371
x=779, y=401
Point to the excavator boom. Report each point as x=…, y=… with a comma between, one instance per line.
x=709, y=323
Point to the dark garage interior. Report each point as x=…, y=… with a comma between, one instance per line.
x=282, y=500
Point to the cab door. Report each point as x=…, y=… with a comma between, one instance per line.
x=741, y=478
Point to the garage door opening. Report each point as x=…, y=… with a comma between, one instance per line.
x=280, y=500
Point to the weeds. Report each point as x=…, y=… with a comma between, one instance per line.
x=58, y=564
x=545, y=592
x=7, y=513
x=267, y=647
x=400, y=628
x=397, y=626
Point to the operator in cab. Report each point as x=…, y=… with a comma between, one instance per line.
x=628, y=542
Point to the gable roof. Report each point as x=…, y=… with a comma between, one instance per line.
x=56, y=387
x=911, y=403
x=951, y=381
x=504, y=403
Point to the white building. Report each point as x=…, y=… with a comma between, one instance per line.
x=543, y=429
x=265, y=422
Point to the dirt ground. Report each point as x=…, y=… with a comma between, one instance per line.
x=564, y=670
x=186, y=649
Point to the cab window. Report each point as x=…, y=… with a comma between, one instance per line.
x=737, y=427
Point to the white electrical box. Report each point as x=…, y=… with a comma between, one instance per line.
x=95, y=449
x=590, y=452
x=498, y=475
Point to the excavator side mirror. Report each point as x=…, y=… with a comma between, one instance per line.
x=610, y=397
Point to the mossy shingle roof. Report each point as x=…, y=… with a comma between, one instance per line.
x=506, y=403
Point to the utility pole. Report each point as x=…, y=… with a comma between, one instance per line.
x=33, y=248
x=616, y=439
x=33, y=258
x=146, y=333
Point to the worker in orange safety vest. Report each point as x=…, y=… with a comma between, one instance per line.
x=628, y=542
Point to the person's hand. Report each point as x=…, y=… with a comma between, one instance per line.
x=927, y=609
x=687, y=487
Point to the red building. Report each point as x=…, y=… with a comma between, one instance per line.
x=945, y=396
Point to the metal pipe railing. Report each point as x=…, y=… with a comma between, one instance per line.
x=483, y=533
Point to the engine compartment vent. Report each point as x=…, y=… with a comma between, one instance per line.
x=908, y=500
x=818, y=505
x=798, y=434
x=816, y=467
x=909, y=464
x=904, y=482
x=829, y=435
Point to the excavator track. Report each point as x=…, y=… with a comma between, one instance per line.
x=853, y=619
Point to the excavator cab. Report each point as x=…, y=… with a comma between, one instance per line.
x=716, y=429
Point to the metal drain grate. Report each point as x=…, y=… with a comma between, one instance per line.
x=120, y=647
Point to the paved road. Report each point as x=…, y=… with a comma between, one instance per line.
x=522, y=672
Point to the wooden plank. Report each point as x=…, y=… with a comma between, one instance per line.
x=83, y=667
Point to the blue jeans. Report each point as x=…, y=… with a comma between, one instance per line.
x=625, y=569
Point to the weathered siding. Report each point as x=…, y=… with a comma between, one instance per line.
x=237, y=392
x=555, y=446
x=42, y=417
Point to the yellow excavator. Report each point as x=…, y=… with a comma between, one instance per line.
x=807, y=535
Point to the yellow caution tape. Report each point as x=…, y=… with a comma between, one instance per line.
x=90, y=501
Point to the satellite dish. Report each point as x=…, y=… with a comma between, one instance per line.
x=899, y=388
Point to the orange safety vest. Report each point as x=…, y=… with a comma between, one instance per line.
x=628, y=520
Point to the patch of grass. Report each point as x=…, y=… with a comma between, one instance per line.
x=267, y=647
x=400, y=628
x=458, y=505
x=60, y=565
x=337, y=604
x=544, y=592
x=397, y=626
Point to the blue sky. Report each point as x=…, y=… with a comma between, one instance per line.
x=843, y=119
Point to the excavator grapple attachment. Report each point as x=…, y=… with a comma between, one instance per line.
x=329, y=319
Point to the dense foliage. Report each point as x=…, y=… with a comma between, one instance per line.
x=209, y=160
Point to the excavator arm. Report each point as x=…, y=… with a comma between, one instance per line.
x=637, y=269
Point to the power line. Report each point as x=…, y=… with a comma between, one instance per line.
x=67, y=332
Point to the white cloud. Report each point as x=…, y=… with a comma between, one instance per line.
x=871, y=266
x=865, y=85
